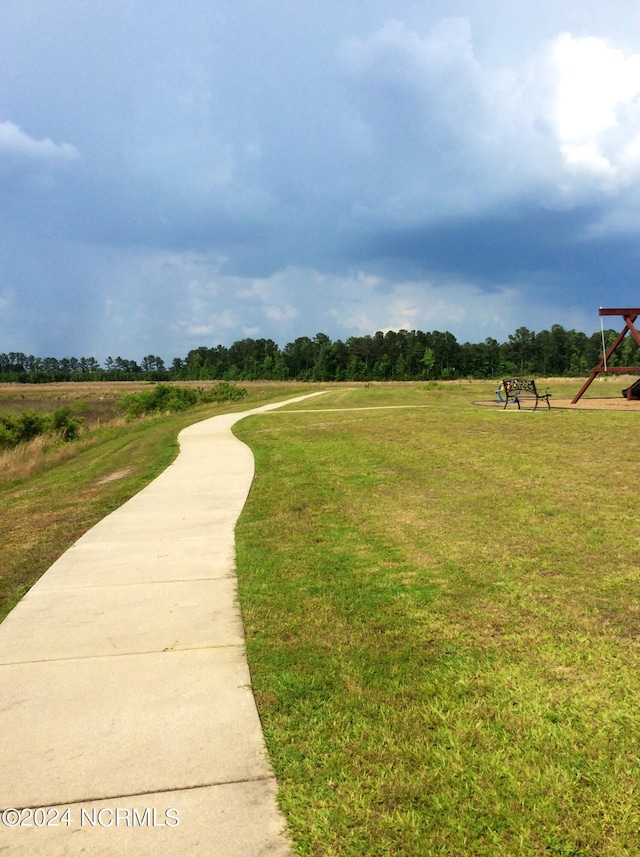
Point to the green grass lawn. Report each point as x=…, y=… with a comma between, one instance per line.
x=442, y=613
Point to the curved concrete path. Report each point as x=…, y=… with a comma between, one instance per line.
x=126, y=714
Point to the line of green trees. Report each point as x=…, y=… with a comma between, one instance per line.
x=392, y=356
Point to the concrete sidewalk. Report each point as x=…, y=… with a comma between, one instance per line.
x=126, y=714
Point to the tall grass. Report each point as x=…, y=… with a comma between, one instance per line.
x=25, y=460
x=30, y=458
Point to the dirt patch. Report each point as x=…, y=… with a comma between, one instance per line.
x=604, y=404
x=117, y=474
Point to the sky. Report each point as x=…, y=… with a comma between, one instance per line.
x=174, y=175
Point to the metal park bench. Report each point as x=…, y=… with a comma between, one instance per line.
x=519, y=388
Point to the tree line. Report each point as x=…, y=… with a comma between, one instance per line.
x=390, y=356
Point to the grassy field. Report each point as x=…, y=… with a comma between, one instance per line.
x=441, y=604
x=444, y=647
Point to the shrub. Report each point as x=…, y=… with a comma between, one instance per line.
x=8, y=433
x=64, y=425
x=15, y=430
x=223, y=391
x=160, y=399
x=28, y=425
x=165, y=399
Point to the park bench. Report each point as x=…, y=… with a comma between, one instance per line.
x=519, y=388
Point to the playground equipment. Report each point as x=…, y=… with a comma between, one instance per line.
x=629, y=315
x=632, y=392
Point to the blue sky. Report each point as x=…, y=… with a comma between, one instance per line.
x=183, y=174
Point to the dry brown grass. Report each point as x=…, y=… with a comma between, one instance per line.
x=28, y=459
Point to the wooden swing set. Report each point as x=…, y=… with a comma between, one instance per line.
x=629, y=315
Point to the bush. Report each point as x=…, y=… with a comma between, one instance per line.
x=161, y=399
x=30, y=425
x=64, y=425
x=223, y=391
x=8, y=433
x=26, y=426
x=166, y=399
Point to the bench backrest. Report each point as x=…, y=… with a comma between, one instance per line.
x=520, y=385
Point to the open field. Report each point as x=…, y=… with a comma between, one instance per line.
x=442, y=605
x=96, y=402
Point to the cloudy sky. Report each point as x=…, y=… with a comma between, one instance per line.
x=176, y=174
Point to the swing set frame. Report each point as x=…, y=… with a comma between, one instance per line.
x=629, y=315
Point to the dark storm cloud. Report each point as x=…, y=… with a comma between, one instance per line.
x=177, y=175
x=509, y=245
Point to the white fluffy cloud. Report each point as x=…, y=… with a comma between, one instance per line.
x=18, y=145
x=460, y=135
x=597, y=109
